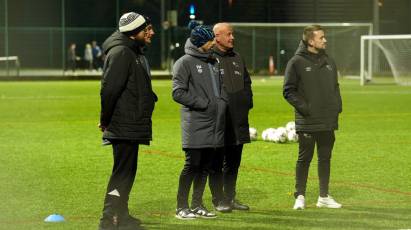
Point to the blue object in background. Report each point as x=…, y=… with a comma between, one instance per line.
x=192, y=9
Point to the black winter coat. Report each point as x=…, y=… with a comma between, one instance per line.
x=311, y=87
x=127, y=98
x=197, y=87
x=237, y=84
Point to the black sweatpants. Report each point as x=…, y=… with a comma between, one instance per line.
x=307, y=141
x=125, y=154
x=195, y=171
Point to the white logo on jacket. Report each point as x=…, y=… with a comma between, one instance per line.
x=235, y=64
x=329, y=67
x=237, y=73
x=308, y=69
x=199, y=68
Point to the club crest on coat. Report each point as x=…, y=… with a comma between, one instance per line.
x=199, y=68
x=329, y=67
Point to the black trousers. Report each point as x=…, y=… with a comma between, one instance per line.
x=195, y=172
x=125, y=154
x=232, y=160
x=224, y=172
x=307, y=141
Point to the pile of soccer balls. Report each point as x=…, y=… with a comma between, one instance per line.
x=278, y=135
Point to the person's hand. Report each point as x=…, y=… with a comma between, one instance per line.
x=102, y=127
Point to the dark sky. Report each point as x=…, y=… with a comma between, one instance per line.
x=395, y=14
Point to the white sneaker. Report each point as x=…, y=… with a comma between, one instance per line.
x=327, y=202
x=202, y=212
x=299, y=203
x=185, y=214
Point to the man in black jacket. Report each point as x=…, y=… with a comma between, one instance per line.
x=237, y=84
x=311, y=87
x=127, y=103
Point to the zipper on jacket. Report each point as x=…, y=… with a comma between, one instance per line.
x=216, y=93
x=213, y=80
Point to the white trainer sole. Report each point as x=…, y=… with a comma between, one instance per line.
x=184, y=218
x=321, y=205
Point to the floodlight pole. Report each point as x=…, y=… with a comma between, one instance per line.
x=63, y=34
x=162, y=34
x=6, y=35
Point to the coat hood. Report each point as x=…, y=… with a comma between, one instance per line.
x=119, y=39
x=192, y=50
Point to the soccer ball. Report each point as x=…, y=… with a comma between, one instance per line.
x=292, y=136
x=290, y=126
x=281, y=135
x=267, y=134
x=253, y=133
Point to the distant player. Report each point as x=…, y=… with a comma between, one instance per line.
x=311, y=87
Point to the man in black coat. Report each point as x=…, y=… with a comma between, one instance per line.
x=127, y=103
x=311, y=87
x=237, y=84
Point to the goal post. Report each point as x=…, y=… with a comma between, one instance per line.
x=9, y=66
x=386, y=59
x=262, y=44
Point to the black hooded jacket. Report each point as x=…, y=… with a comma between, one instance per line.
x=311, y=87
x=237, y=84
x=127, y=98
x=197, y=87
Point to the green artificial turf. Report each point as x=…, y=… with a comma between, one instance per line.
x=52, y=161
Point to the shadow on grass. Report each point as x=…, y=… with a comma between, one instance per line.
x=346, y=218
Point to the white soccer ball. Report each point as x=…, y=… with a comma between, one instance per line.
x=292, y=136
x=264, y=135
x=290, y=126
x=267, y=134
x=281, y=134
x=253, y=133
x=272, y=135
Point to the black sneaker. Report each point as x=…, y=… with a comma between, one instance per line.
x=185, y=214
x=202, y=212
x=236, y=205
x=222, y=207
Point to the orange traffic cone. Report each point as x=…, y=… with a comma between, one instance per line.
x=271, y=67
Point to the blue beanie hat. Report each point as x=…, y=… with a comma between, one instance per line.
x=200, y=35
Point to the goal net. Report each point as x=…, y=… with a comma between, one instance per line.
x=262, y=43
x=9, y=66
x=386, y=59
